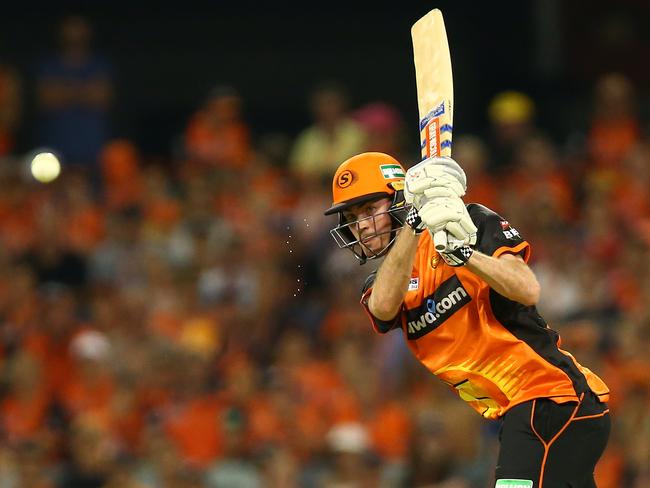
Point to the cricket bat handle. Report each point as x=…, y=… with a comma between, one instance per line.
x=440, y=240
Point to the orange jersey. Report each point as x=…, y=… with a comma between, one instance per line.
x=496, y=353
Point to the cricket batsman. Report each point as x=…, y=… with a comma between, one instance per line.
x=468, y=314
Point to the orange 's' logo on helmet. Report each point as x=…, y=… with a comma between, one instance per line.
x=345, y=179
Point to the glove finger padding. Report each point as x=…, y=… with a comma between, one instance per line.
x=449, y=214
x=418, y=185
x=463, y=231
x=432, y=194
x=439, y=191
x=437, y=213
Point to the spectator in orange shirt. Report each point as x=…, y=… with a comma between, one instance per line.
x=538, y=180
x=614, y=126
x=121, y=175
x=24, y=409
x=160, y=207
x=473, y=152
x=18, y=203
x=216, y=135
x=631, y=196
x=90, y=387
x=193, y=420
x=49, y=338
x=18, y=299
x=83, y=218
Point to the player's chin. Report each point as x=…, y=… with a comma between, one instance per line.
x=373, y=244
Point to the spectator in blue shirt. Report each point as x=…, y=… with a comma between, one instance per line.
x=74, y=92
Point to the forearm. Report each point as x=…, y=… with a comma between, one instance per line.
x=508, y=275
x=393, y=276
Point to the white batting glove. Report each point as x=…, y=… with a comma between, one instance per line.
x=451, y=215
x=434, y=177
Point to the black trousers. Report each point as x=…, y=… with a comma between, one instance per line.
x=553, y=445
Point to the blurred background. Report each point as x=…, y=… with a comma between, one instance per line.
x=173, y=311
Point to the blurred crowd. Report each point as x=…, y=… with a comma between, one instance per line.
x=189, y=322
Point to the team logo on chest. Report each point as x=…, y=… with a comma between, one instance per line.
x=436, y=308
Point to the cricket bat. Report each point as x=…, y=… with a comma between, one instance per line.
x=435, y=91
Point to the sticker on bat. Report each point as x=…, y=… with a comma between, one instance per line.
x=436, y=112
x=431, y=128
x=431, y=137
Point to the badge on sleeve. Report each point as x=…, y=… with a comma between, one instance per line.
x=509, y=231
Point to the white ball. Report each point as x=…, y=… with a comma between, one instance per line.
x=45, y=167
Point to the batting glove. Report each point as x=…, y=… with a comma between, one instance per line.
x=433, y=177
x=457, y=258
x=451, y=215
